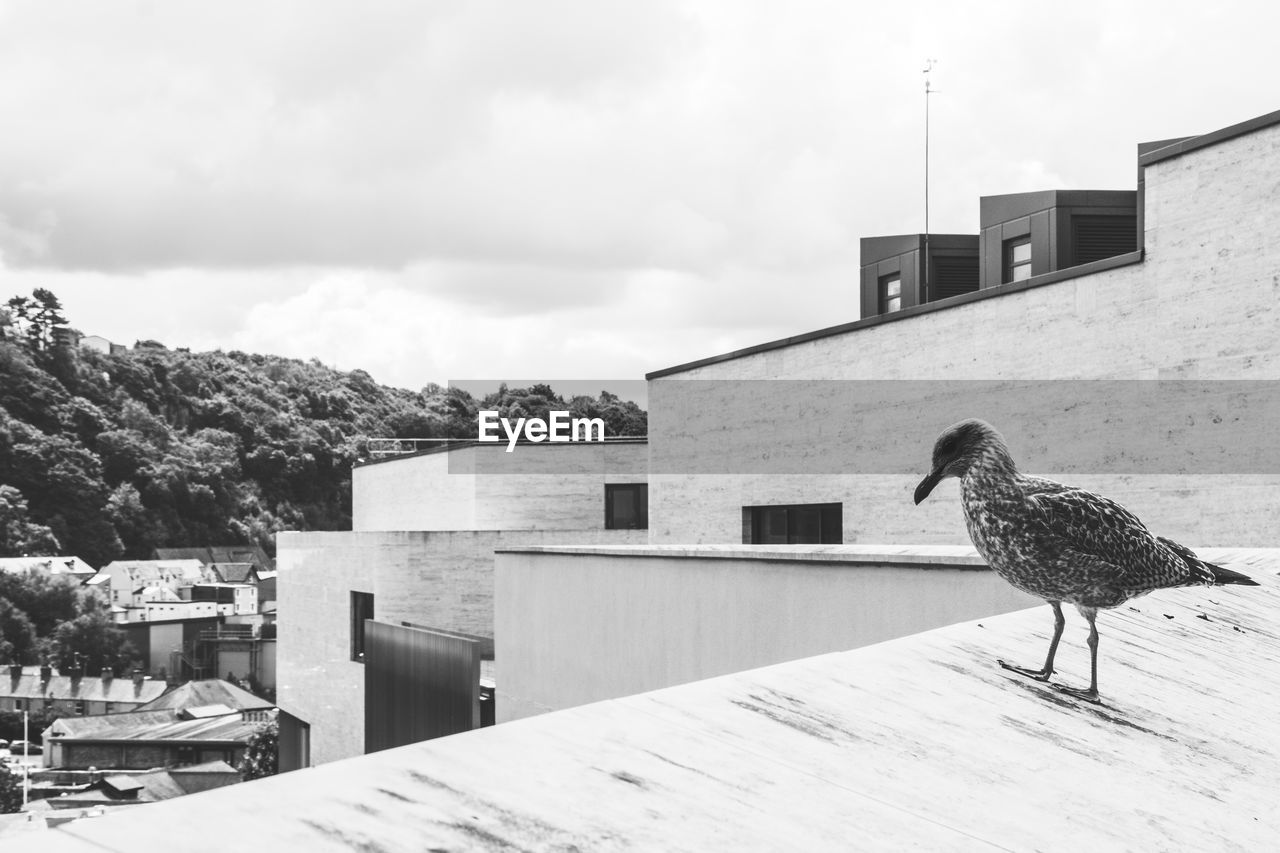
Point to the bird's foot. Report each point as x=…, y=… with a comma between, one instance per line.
x=1088, y=694
x=1037, y=674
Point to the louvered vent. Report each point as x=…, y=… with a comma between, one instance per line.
x=1098, y=237
x=953, y=275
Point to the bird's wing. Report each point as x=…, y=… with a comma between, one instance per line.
x=1085, y=525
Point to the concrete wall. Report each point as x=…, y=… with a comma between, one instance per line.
x=536, y=487
x=579, y=625
x=440, y=580
x=1203, y=304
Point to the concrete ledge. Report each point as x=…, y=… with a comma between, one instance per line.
x=921, y=556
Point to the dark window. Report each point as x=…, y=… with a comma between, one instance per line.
x=1017, y=259
x=890, y=293
x=1103, y=236
x=626, y=506
x=953, y=275
x=361, y=609
x=797, y=524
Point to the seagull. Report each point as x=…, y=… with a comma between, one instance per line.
x=1057, y=542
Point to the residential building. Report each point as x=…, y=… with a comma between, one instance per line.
x=142, y=740
x=133, y=583
x=73, y=566
x=218, y=554
x=36, y=688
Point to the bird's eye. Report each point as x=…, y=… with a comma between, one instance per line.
x=948, y=447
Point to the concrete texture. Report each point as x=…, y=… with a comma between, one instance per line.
x=441, y=580
x=580, y=624
x=536, y=487
x=918, y=743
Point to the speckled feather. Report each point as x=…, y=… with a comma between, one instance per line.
x=1058, y=542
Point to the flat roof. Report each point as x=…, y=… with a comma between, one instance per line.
x=923, y=742
x=463, y=443
x=913, y=556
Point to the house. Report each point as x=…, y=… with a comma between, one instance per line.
x=251, y=554
x=73, y=566
x=145, y=739
x=61, y=791
x=209, y=692
x=74, y=693
x=133, y=583
x=406, y=597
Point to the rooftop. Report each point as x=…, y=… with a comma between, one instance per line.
x=210, y=691
x=919, y=742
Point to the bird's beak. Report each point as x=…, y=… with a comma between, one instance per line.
x=927, y=484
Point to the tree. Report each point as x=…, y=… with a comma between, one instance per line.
x=93, y=642
x=17, y=635
x=20, y=537
x=10, y=791
x=262, y=754
x=37, y=317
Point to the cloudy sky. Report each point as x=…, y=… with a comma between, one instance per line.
x=554, y=188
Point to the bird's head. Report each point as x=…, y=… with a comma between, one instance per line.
x=956, y=450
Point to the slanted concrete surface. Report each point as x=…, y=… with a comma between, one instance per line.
x=918, y=743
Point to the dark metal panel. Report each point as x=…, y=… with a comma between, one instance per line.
x=419, y=685
x=1041, y=248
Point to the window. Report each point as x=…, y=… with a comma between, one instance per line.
x=890, y=293
x=626, y=506
x=796, y=524
x=361, y=609
x=80, y=707
x=1017, y=259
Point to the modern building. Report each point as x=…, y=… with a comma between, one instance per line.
x=414, y=582
x=1080, y=356
x=1081, y=351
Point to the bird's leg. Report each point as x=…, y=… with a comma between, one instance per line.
x=1091, y=694
x=1047, y=670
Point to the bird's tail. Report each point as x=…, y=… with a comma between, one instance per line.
x=1207, y=573
x=1221, y=576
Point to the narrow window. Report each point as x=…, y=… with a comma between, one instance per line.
x=361, y=609
x=1017, y=259
x=626, y=506
x=795, y=524
x=890, y=293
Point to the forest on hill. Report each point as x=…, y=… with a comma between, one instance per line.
x=108, y=456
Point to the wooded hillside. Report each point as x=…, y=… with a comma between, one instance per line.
x=110, y=456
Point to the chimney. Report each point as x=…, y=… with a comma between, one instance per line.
x=107, y=675
x=138, y=677
x=46, y=672
x=15, y=671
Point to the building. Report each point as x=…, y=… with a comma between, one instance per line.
x=64, y=792
x=143, y=740
x=37, y=688
x=73, y=566
x=217, y=554
x=1079, y=361
x=413, y=583
x=133, y=583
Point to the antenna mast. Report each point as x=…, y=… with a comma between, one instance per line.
x=924, y=262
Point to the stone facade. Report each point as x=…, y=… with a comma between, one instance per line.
x=436, y=579
x=1203, y=303
x=536, y=487
x=580, y=625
